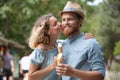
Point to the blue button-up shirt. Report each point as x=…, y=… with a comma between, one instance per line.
x=83, y=54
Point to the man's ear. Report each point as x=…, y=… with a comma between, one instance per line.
x=81, y=20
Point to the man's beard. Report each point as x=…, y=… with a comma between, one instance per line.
x=69, y=31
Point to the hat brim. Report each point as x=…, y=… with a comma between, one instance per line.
x=78, y=12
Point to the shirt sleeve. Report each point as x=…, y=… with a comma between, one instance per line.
x=36, y=57
x=96, y=58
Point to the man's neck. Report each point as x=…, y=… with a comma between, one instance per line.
x=74, y=34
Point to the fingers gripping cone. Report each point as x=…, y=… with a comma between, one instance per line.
x=60, y=54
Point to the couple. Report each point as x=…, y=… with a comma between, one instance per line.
x=83, y=58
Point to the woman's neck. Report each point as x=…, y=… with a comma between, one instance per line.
x=53, y=41
x=46, y=47
x=49, y=46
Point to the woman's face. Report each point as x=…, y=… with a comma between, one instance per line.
x=54, y=29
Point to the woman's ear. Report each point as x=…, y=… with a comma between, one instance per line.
x=46, y=25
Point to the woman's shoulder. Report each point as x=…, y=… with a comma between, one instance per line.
x=37, y=56
x=36, y=52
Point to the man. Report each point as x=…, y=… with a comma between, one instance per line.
x=8, y=65
x=83, y=59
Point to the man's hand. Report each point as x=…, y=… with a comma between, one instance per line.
x=64, y=69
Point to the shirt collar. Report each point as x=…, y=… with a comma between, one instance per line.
x=73, y=38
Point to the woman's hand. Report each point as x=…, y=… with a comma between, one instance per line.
x=88, y=35
x=54, y=63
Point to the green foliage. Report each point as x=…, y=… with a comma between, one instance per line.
x=108, y=29
x=117, y=49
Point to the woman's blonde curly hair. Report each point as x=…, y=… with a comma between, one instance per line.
x=39, y=33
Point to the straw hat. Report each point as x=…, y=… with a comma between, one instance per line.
x=72, y=7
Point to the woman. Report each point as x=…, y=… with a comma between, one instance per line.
x=43, y=40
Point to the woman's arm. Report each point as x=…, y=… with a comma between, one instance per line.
x=35, y=72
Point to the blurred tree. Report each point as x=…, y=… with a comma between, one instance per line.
x=108, y=30
x=117, y=49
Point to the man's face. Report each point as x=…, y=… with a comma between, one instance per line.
x=70, y=24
